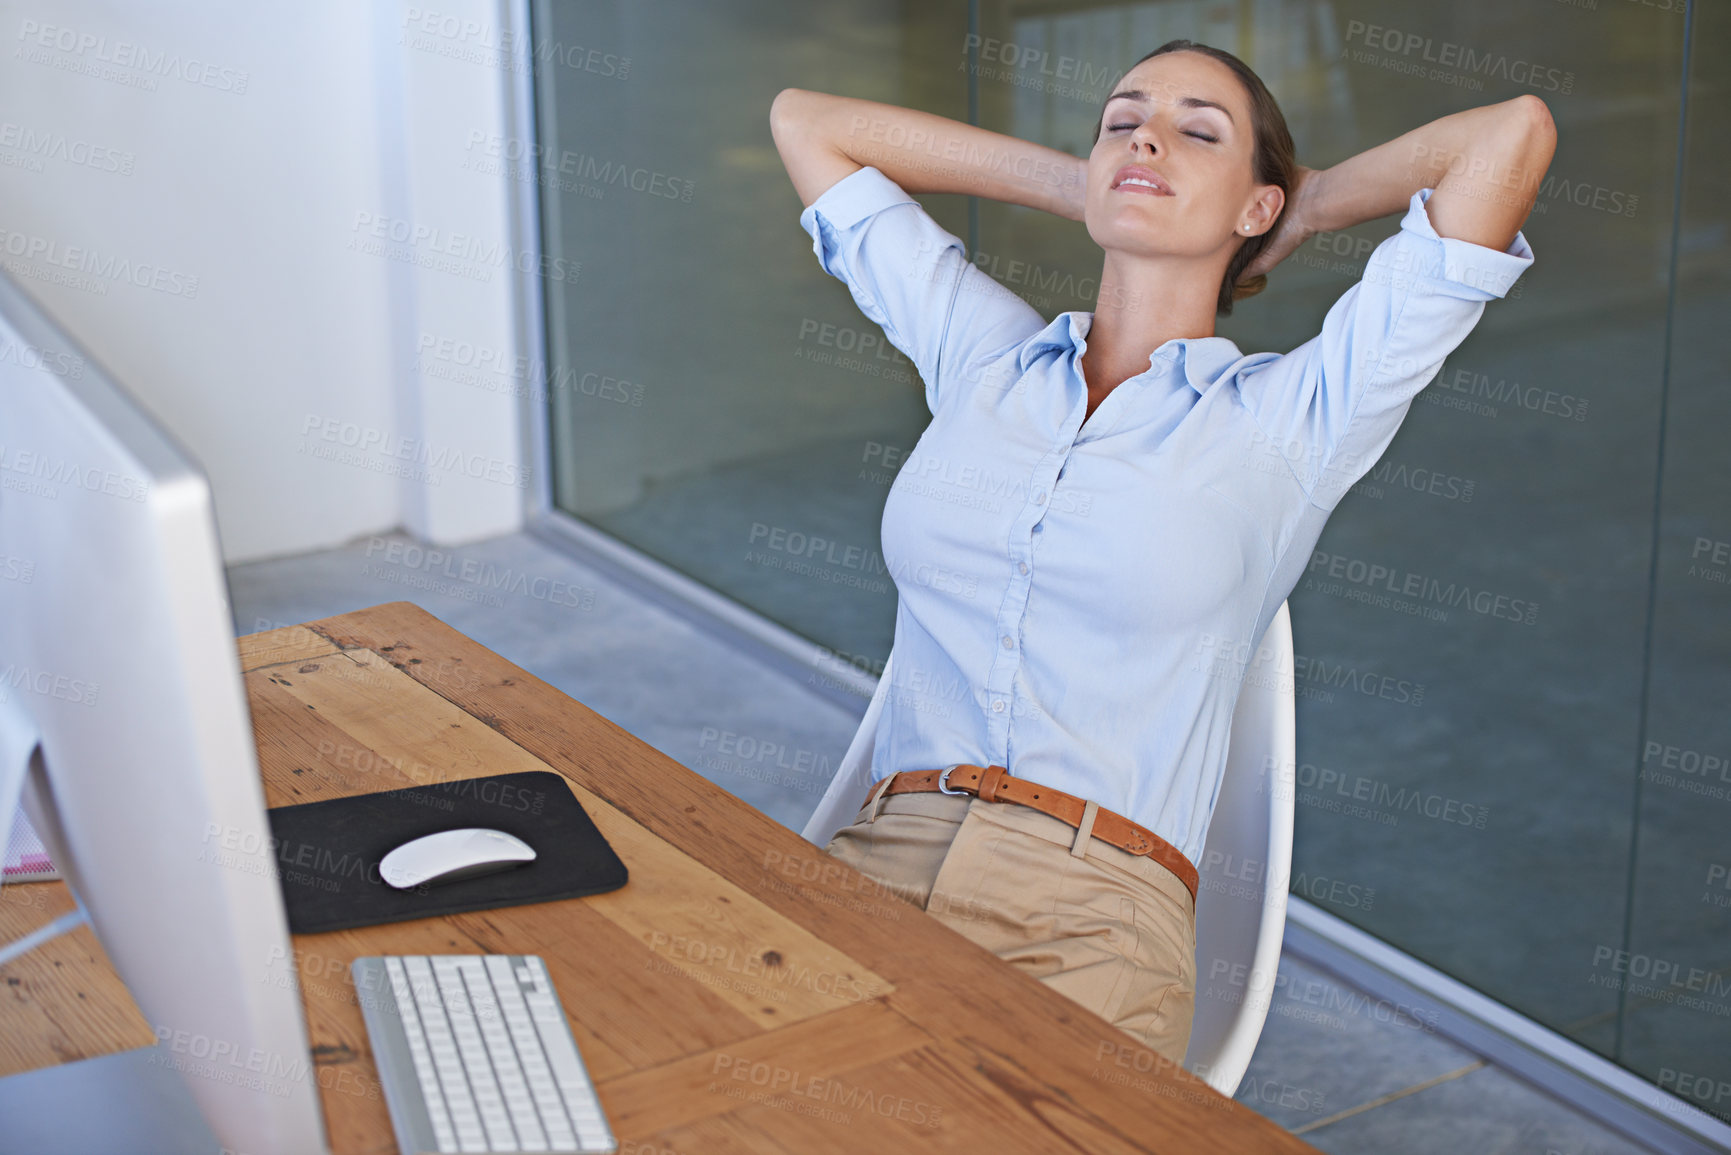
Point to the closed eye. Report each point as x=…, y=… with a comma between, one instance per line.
x=1187, y=132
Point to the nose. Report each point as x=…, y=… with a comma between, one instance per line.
x=1144, y=135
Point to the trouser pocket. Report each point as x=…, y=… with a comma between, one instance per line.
x=905, y=847
x=1100, y=933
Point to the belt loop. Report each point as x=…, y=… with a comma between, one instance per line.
x=876, y=799
x=1085, y=830
x=991, y=777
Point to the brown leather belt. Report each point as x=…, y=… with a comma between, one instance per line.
x=995, y=784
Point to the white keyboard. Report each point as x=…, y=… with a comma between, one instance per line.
x=475, y=1055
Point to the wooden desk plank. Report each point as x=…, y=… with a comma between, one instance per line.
x=695, y=1087
x=1006, y=1025
x=62, y=1001
x=890, y=1103
x=288, y=644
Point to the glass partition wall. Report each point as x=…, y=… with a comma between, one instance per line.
x=1522, y=774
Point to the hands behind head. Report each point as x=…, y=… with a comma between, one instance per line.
x=1292, y=230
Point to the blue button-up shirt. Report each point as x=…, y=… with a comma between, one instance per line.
x=1078, y=600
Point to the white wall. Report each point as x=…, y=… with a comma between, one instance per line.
x=258, y=151
x=457, y=85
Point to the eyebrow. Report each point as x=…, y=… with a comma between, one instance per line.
x=1185, y=101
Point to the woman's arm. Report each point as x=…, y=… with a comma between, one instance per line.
x=823, y=138
x=1484, y=163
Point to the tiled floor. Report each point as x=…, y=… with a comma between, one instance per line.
x=1333, y=1065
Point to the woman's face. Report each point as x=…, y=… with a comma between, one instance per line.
x=1189, y=119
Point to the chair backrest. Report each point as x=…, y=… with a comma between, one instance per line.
x=1246, y=869
x=1246, y=865
x=847, y=790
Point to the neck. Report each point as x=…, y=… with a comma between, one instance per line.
x=1144, y=303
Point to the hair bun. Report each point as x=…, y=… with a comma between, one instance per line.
x=1249, y=286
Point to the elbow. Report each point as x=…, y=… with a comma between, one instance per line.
x=1514, y=145
x=784, y=108
x=1535, y=114
x=1532, y=106
x=1538, y=132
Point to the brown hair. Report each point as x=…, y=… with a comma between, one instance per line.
x=1273, y=160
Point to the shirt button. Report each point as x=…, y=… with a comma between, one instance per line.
x=1040, y=498
x=1009, y=644
x=1022, y=567
x=998, y=707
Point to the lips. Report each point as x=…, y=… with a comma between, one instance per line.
x=1141, y=172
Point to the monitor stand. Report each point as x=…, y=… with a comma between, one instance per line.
x=23, y=778
x=144, y=1106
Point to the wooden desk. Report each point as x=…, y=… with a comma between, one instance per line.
x=744, y=992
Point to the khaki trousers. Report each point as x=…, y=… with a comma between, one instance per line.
x=1110, y=930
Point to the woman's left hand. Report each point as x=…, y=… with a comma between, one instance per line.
x=1293, y=229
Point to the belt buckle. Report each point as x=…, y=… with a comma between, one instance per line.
x=944, y=778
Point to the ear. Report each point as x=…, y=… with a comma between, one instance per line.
x=1264, y=209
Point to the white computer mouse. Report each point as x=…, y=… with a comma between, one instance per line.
x=453, y=854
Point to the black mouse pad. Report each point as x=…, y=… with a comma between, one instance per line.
x=327, y=853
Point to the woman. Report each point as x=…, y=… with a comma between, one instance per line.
x=1107, y=509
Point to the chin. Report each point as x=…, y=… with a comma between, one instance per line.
x=1134, y=238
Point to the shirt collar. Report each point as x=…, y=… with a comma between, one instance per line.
x=1204, y=358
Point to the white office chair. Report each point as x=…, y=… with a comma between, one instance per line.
x=1246, y=864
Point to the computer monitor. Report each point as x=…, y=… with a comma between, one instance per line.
x=117, y=646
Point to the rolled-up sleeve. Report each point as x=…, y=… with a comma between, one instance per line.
x=1333, y=404
x=912, y=277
